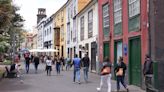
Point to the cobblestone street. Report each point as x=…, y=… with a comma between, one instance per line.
x=40, y=82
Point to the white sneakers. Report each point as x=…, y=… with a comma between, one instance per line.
x=98, y=89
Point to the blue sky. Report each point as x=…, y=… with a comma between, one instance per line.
x=29, y=9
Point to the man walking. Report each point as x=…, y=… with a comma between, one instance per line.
x=27, y=61
x=148, y=71
x=85, y=64
x=77, y=64
x=36, y=63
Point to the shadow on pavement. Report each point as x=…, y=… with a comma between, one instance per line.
x=14, y=84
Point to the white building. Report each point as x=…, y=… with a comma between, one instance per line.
x=41, y=16
x=40, y=36
x=72, y=9
x=48, y=33
x=87, y=26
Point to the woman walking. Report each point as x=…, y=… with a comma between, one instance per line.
x=105, y=74
x=120, y=73
x=49, y=66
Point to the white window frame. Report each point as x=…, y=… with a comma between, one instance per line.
x=134, y=7
x=82, y=28
x=90, y=23
x=117, y=11
x=105, y=16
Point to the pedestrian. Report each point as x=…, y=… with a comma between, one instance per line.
x=27, y=62
x=105, y=74
x=85, y=65
x=62, y=62
x=148, y=71
x=68, y=61
x=36, y=63
x=120, y=73
x=58, y=64
x=77, y=66
x=49, y=66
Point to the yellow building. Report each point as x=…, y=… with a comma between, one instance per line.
x=59, y=21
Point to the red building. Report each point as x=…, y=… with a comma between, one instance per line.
x=123, y=31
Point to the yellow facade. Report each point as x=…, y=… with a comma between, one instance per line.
x=82, y=4
x=60, y=25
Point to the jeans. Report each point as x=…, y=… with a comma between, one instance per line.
x=85, y=69
x=78, y=74
x=48, y=70
x=74, y=75
x=27, y=68
x=36, y=67
x=120, y=79
x=106, y=78
x=58, y=68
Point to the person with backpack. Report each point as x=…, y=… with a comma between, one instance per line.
x=120, y=73
x=27, y=61
x=105, y=74
x=77, y=66
x=85, y=64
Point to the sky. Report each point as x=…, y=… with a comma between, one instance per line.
x=29, y=10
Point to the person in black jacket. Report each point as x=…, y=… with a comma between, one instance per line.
x=85, y=64
x=36, y=63
x=120, y=73
x=148, y=66
x=148, y=71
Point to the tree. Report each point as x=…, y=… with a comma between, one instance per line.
x=5, y=14
x=11, y=24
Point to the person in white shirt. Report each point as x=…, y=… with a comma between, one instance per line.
x=49, y=66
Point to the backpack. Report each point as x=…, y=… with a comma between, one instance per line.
x=12, y=67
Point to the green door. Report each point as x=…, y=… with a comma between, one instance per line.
x=135, y=61
x=106, y=49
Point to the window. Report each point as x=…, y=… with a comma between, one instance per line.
x=117, y=17
x=117, y=11
x=68, y=33
x=82, y=28
x=134, y=7
x=62, y=33
x=106, y=19
x=90, y=23
x=50, y=30
x=134, y=15
x=47, y=32
x=74, y=30
x=68, y=14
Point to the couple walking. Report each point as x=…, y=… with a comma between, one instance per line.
x=77, y=62
x=49, y=63
x=106, y=74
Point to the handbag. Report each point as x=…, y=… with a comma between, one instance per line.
x=120, y=72
x=106, y=70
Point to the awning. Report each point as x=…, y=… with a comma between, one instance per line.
x=43, y=50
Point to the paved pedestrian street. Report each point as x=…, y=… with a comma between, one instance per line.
x=40, y=82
